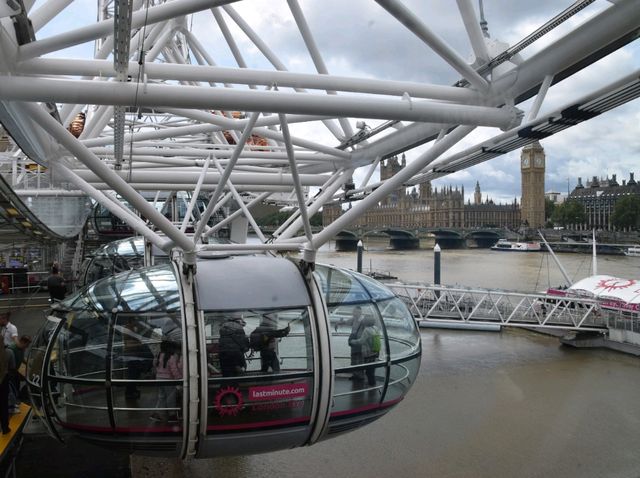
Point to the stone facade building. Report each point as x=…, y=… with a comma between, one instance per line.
x=599, y=198
x=428, y=207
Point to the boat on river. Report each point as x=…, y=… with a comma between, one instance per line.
x=633, y=251
x=506, y=245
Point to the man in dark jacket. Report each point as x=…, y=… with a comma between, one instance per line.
x=267, y=333
x=233, y=345
x=56, y=285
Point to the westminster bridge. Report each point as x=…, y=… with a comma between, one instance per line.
x=446, y=238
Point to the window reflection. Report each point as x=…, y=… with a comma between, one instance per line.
x=260, y=364
x=402, y=332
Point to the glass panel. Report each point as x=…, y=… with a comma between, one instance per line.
x=35, y=359
x=401, y=376
x=340, y=287
x=283, y=342
x=262, y=349
x=153, y=289
x=401, y=328
x=83, y=415
x=81, y=347
x=347, y=339
x=136, y=341
x=145, y=412
x=88, y=394
x=377, y=290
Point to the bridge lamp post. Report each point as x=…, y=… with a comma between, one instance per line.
x=436, y=264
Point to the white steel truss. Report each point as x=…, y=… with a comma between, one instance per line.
x=449, y=305
x=165, y=109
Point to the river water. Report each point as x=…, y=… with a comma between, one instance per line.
x=509, y=404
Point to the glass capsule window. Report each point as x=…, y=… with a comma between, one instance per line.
x=375, y=344
x=113, y=258
x=260, y=368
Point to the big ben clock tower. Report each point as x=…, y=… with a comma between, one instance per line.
x=532, y=163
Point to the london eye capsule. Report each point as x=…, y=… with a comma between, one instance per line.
x=250, y=354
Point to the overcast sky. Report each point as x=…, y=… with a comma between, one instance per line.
x=358, y=38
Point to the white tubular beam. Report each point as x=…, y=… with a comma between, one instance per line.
x=238, y=124
x=296, y=213
x=314, y=207
x=46, y=12
x=556, y=260
x=389, y=185
x=242, y=206
x=315, y=55
x=196, y=192
x=542, y=93
x=296, y=180
x=415, y=133
x=160, y=134
x=97, y=122
x=472, y=25
x=225, y=176
x=181, y=155
x=275, y=61
x=167, y=71
x=415, y=25
x=229, y=39
x=216, y=227
x=249, y=247
x=117, y=209
x=205, y=187
x=66, y=139
x=212, y=177
x=372, y=168
x=603, y=29
x=99, y=92
x=104, y=28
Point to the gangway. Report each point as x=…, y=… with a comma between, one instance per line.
x=438, y=304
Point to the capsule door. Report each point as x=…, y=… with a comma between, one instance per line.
x=260, y=382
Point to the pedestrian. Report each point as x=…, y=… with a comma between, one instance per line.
x=356, y=349
x=370, y=343
x=7, y=329
x=168, y=366
x=16, y=358
x=263, y=339
x=233, y=345
x=56, y=286
x=4, y=391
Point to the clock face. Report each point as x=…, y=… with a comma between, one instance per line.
x=525, y=162
x=538, y=162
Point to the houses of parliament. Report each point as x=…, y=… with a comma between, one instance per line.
x=429, y=207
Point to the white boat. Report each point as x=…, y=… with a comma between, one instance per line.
x=633, y=251
x=505, y=245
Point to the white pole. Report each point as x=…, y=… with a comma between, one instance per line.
x=167, y=71
x=154, y=95
x=104, y=28
x=418, y=28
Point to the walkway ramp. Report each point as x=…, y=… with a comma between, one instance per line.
x=442, y=304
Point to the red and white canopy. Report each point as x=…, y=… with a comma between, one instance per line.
x=608, y=287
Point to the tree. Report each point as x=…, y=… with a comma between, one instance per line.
x=570, y=212
x=626, y=213
x=549, y=207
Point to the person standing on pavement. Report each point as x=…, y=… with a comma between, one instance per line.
x=56, y=286
x=7, y=329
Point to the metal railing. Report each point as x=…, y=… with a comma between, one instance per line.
x=442, y=304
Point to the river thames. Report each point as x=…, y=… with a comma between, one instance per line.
x=514, y=403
